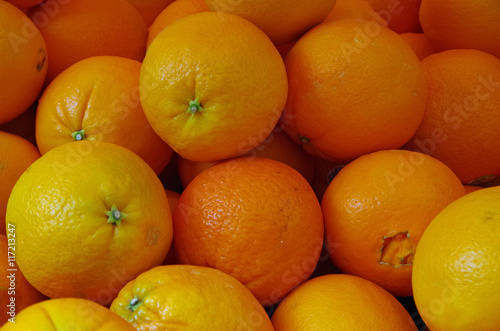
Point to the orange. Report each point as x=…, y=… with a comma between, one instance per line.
x=78, y=29
x=254, y=218
x=207, y=109
x=377, y=208
x=334, y=73
x=16, y=155
x=457, y=265
x=150, y=9
x=175, y=11
x=23, y=66
x=98, y=99
x=401, y=15
x=101, y=196
x=24, y=4
x=455, y=24
x=277, y=147
x=420, y=44
x=191, y=298
x=66, y=315
x=16, y=292
x=283, y=21
x=461, y=121
x=359, y=9
x=344, y=301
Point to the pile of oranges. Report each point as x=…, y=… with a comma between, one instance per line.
x=250, y=165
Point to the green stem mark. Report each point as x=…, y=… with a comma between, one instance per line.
x=115, y=216
x=194, y=106
x=304, y=139
x=134, y=304
x=79, y=135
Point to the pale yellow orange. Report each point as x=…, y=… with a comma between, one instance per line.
x=456, y=269
x=99, y=212
x=188, y=297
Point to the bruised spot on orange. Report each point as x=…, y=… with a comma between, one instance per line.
x=153, y=236
x=397, y=251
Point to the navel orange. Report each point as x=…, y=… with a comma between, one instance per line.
x=16, y=155
x=355, y=87
x=343, y=301
x=377, y=208
x=98, y=99
x=461, y=121
x=78, y=29
x=207, y=109
x=68, y=314
x=456, y=276
x=104, y=198
x=254, y=218
x=196, y=298
x=457, y=24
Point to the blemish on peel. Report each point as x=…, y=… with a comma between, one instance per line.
x=397, y=250
x=153, y=236
x=42, y=57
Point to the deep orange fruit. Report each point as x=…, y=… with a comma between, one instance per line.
x=343, y=301
x=377, y=208
x=254, y=218
x=461, y=121
x=334, y=72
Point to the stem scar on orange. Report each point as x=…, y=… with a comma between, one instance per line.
x=200, y=298
x=97, y=98
x=215, y=93
x=103, y=197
